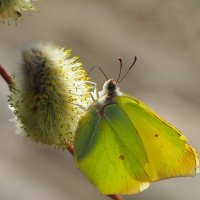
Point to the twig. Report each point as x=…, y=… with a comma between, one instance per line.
x=115, y=197
x=8, y=78
x=5, y=75
x=70, y=149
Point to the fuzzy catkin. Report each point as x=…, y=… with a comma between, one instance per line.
x=48, y=93
x=14, y=8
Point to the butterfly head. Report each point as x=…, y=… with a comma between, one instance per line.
x=110, y=85
x=106, y=95
x=110, y=88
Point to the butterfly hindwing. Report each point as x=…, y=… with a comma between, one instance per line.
x=109, y=151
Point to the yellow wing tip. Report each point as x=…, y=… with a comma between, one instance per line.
x=197, y=161
x=128, y=191
x=143, y=186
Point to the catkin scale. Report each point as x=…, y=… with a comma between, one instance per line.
x=48, y=93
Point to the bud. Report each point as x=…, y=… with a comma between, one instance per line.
x=49, y=94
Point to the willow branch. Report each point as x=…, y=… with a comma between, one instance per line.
x=70, y=149
x=115, y=197
x=6, y=76
x=8, y=79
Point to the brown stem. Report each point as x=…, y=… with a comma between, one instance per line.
x=6, y=76
x=115, y=197
x=70, y=148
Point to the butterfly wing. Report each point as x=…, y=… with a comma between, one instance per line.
x=168, y=152
x=129, y=146
x=109, y=152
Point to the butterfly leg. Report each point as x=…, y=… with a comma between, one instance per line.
x=80, y=106
x=94, y=94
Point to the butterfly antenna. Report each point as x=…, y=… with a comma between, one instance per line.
x=135, y=59
x=103, y=73
x=88, y=73
x=120, y=69
x=90, y=70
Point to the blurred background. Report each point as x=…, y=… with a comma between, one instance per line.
x=164, y=35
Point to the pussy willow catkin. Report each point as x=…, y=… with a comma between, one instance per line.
x=48, y=94
x=14, y=8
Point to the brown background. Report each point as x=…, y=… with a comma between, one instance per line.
x=165, y=35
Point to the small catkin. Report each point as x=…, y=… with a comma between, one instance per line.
x=49, y=93
x=14, y=8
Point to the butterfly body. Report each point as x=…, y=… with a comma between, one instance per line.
x=110, y=90
x=121, y=145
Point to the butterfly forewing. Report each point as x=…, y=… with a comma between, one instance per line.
x=167, y=150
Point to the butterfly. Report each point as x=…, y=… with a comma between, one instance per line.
x=122, y=145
